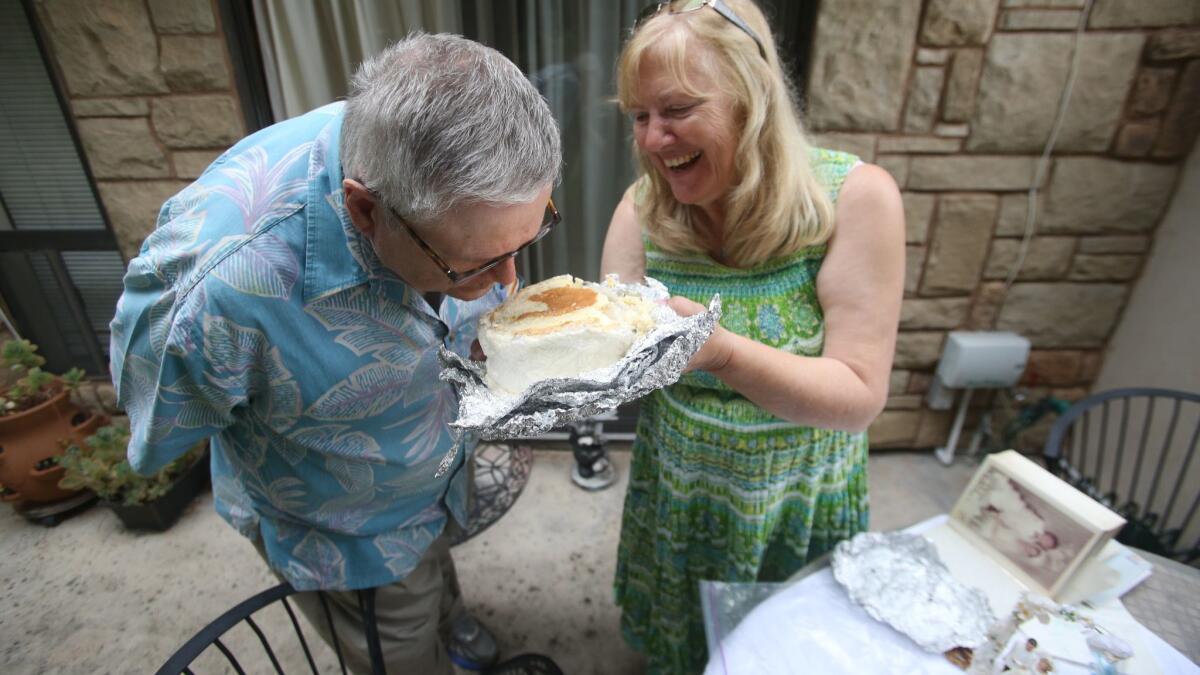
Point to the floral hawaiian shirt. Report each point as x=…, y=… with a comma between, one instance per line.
x=258, y=316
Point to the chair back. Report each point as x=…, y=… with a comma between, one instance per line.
x=279, y=641
x=244, y=613
x=1134, y=450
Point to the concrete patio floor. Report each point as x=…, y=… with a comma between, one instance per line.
x=91, y=597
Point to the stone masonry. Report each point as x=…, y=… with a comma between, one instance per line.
x=956, y=99
x=151, y=90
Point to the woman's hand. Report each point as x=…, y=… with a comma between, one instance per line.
x=714, y=354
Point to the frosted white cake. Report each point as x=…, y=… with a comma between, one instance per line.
x=561, y=327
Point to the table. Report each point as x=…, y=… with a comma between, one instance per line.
x=1167, y=603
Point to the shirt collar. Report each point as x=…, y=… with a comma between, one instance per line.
x=336, y=255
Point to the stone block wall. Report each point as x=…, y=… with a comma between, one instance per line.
x=956, y=99
x=151, y=90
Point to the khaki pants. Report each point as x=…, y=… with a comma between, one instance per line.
x=413, y=615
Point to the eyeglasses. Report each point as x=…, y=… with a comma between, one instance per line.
x=549, y=219
x=685, y=6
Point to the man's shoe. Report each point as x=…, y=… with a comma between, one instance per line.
x=471, y=645
x=592, y=470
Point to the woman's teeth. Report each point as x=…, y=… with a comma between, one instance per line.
x=680, y=161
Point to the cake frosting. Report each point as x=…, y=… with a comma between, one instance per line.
x=561, y=327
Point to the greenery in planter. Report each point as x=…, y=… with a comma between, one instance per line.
x=33, y=385
x=100, y=465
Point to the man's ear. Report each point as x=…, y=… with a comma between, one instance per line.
x=360, y=205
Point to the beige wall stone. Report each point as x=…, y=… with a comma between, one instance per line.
x=960, y=243
x=183, y=16
x=110, y=107
x=1047, y=258
x=192, y=163
x=914, y=263
x=919, y=144
x=1136, y=139
x=104, y=48
x=1134, y=243
x=971, y=172
x=962, y=84
x=1023, y=76
x=935, y=428
x=1040, y=19
x=1043, y=3
x=918, y=212
x=932, y=57
x=1105, y=267
x=918, y=383
x=924, y=95
x=918, y=349
x=894, y=428
x=1089, y=365
x=194, y=63
x=197, y=121
x=862, y=145
x=1152, y=92
x=122, y=147
x=133, y=208
x=1181, y=124
x=903, y=402
x=1139, y=13
x=1091, y=195
x=1013, y=214
x=989, y=298
x=897, y=166
x=1062, y=314
x=954, y=23
x=860, y=62
x=927, y=313
x=952, y=130
x=1173, y=44
x=1052, y=368
x=898, y=381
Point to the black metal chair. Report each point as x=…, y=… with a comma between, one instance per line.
x=1133, y=450
x=211, y=636
x=500, y=474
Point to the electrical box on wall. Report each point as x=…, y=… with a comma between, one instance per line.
x=970, y=361
x=982, y=360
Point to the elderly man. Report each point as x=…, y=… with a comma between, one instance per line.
x=290, y=305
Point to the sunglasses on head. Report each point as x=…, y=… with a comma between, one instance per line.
x=685, y=6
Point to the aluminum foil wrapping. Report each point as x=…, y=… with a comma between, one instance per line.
x=654, y=361
x=900, y=580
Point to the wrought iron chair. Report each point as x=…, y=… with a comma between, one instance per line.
x=500, y=474
x=1133, y=450
x=211, y=636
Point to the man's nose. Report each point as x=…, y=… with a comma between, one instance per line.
x=505, y=273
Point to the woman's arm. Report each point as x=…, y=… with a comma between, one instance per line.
x=623, y=251
x=860, y=287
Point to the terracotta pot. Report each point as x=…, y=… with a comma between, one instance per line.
x=31, y=436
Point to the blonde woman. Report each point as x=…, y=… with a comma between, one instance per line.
x=755, y=462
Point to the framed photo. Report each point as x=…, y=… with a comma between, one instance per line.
x=1039, y=528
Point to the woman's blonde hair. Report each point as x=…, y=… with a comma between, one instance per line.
x=777, y=206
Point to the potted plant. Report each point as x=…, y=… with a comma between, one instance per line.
x=141, y=502
x=36, y=417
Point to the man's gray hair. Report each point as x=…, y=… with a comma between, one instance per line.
x=436, y=121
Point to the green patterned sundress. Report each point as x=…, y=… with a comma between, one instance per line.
x=720, y=489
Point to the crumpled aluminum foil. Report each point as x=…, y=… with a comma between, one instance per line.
x=653, y=362
x=900, y=580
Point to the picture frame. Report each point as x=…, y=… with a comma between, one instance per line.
x=1036, y=526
